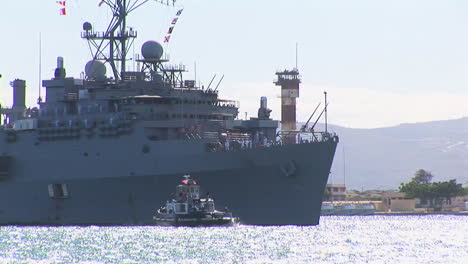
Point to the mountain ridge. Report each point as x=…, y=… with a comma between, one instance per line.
x=382, y=158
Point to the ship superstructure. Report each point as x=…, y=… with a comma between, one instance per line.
x=104, y=149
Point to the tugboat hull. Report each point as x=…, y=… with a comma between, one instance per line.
x=195, y=221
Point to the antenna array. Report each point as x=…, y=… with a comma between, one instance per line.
x=113, y=45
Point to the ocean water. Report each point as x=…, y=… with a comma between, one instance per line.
x=338, y=239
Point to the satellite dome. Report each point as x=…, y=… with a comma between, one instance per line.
x=95, y=69
x=152, y=50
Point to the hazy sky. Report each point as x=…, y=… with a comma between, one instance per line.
x=382, y=62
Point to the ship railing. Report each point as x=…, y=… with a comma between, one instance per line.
x=104, y=35
x=221, y=142
x=235, y=145
x=227, y=103
x=210, y=91
x=212, y=137
x=238, y=136
x=302, y=137
x=222, y=137
x=192, y=136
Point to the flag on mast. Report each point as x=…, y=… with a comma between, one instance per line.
x=100, y=3
x=63, y=10
x=171, y=28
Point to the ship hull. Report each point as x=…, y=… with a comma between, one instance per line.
x=280, y=185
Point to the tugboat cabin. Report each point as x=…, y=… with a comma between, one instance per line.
x=188, y=199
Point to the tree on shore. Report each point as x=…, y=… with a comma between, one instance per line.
x=421, y=176
x=422, y=187
x=326, y=195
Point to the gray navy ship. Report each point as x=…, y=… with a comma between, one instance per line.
x=106, y=150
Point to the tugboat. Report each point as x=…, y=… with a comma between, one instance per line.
x=189, y=209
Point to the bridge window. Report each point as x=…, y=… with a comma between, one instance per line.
x=58, y=191
x=180, y=208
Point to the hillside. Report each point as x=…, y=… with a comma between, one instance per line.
x=385, y=157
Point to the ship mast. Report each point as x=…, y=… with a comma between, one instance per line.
x=117, y=39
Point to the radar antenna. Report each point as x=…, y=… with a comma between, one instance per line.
x=117, y=39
